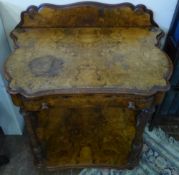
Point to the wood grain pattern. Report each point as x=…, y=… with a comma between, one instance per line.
x=76, y=101
x=86, y=136
x=87, y=77
x=90, y=58
x=52, y=127
x=105, y=54
x=86, y=14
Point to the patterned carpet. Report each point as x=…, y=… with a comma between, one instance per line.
x=160, y=157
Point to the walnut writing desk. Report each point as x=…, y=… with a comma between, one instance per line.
x=87, y=77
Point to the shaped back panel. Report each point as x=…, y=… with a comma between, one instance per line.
x=87, y=14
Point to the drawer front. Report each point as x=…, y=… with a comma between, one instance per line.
x=98, y=100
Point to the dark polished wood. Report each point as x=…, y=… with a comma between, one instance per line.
x=87, y=106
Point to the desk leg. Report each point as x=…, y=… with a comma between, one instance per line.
x=141, y=120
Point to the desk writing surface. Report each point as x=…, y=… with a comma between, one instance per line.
x=73, y=58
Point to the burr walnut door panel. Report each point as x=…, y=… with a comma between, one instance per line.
x=85, y=136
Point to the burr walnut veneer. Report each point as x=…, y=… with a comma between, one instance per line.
x=87, y=77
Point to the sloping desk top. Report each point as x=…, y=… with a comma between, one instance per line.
x=58, y=57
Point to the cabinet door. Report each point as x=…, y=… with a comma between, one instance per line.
x=89, y=135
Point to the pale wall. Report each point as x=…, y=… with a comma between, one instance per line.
x=10, y=119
